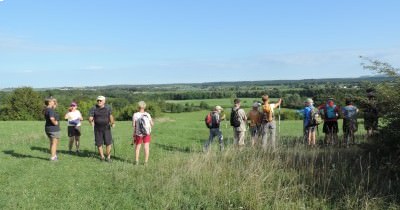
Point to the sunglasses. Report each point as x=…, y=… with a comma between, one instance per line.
x=99, y=100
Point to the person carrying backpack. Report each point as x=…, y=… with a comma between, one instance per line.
x=330, y=113
x=254, y=117
x=142, y=123
x=238, y=122
x=101, y=118
x=268, y=124
x=350, y=124
x=213, y=121
x=310, y=121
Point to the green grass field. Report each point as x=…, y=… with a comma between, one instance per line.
x=224, y=102
x=180, y=176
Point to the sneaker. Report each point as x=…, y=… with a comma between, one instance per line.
x=108, y=160
x=55, y=158
x=102, y=159
x=136, y=163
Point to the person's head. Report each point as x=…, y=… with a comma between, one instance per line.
x=72, y=106
x=308, y=102
x=265, y=98
x=101, y=101
x=349, y=102
x=50, y=102
x=330, y=102
x=236, y=102
x=141, y=105
x=218, y=109
x=256, y=105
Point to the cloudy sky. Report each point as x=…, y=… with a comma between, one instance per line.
x=47, y=43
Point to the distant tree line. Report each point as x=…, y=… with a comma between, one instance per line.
x=27, y=104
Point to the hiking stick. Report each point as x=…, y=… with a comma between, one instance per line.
x=279, y=121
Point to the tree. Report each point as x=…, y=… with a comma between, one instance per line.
x=23, y=104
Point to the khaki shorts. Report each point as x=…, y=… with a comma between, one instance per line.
x=53, y=135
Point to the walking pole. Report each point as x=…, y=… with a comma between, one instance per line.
x=279, y=121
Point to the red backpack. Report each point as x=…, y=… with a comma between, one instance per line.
x=208, y=120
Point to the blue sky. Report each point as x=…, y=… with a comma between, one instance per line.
x=55, y=43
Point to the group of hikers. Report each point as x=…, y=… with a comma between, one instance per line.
x=260, y=121
x=102, y=120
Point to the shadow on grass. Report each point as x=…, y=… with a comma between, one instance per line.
x=174, y=148
x=82, y=153
x=18, y=155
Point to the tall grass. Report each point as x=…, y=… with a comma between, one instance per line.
x=181, y=176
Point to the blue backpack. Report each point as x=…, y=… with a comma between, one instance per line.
x=330, y=112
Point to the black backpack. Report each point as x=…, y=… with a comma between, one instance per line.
x=235, y=118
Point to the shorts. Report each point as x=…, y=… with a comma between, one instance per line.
x=74, y=131
x=102, y=136
x=53, y=135
x=142, y=139
x=255, y=130
x=331, y=126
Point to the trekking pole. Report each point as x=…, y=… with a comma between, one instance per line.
x=279, y=121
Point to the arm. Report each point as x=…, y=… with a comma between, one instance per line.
x=112, y=121
x=278, y=103
x=91, y=120
x=54, y=121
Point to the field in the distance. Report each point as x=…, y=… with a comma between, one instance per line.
x=179, y=175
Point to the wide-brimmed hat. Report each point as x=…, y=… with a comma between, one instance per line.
x=219, y=108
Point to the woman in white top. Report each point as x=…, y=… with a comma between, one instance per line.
x=74, y=118
x=142, y=123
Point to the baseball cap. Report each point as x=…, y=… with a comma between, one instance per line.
x=218, y=108
x=101, y=98
x=309, y=100
x=256, y=104
x=73, y=104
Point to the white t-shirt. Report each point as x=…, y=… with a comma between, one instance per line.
x=74, y=116
x=137, y=116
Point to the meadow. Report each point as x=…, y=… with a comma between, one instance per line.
x=180, y=176
x=224, y=102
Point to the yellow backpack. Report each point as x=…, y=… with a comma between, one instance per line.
x=268, y=115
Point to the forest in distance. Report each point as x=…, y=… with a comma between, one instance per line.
x=26, y=103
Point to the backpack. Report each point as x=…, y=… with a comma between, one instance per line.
x=144, y=125
x=330, y=112
x=211, y=120
x=267, y=111
x=235, y=118
x=208, y=120
x=315, y=118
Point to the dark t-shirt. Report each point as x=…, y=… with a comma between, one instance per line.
x=49, y=127
x=101, y=116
